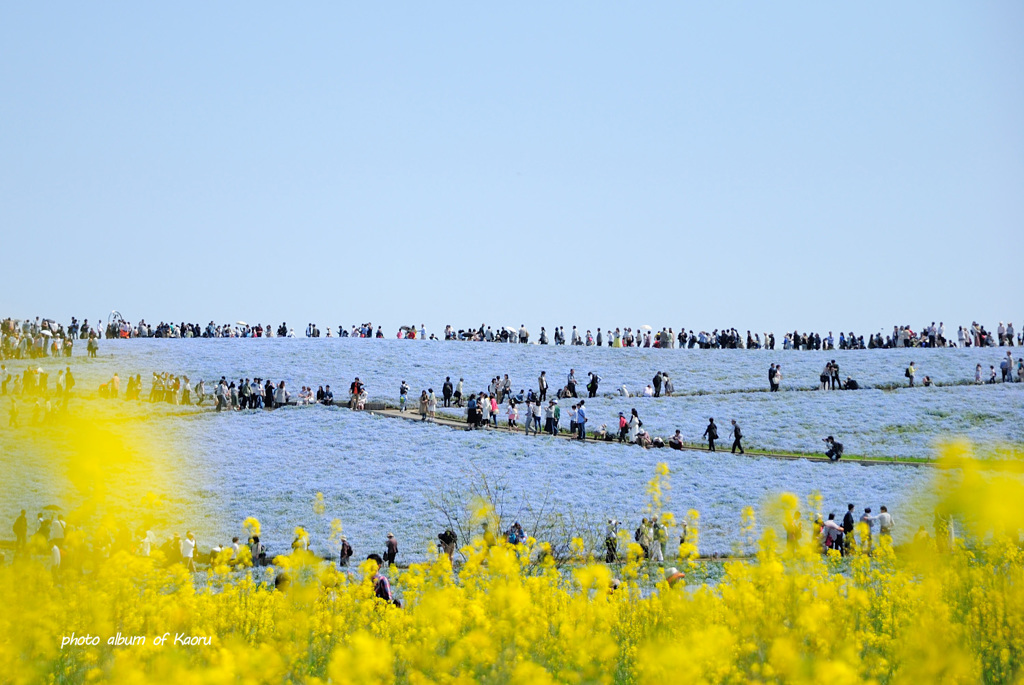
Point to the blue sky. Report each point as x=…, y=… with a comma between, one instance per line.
x=764, y=166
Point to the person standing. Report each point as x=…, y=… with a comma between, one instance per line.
x=403, y=396
x=737, y=435
x=868, y=520
x=909, y=373
x=581, y=420
x=658, y=538
x=711, y=433
x=345, y=553
x=20, y=531
x=848, y=525
x=188, y=551
x=446, y=391
x=611, y=540
x=391, y=553
x=431, y=403
x=542, y=386
x=657, y=384
x=458, y=394
x=448, y=540
x=885, y=523
x=634, y=425
x=423, y=405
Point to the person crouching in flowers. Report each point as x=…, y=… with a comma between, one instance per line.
x=673, y=576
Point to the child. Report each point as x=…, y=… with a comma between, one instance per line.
x=513, y=415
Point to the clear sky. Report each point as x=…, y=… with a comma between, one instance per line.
x=767, y=166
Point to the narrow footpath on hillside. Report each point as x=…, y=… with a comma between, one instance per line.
x=455, y=423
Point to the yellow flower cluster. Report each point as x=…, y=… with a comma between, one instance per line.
x=924, y=613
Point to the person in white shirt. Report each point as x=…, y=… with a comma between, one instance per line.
x=55, y=561
x=188, y=551
x=885, y=522
x=57, y=529
x=146, y=544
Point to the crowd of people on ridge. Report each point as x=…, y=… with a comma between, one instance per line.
x=27, y=338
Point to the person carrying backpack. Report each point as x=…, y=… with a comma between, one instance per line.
x=346, y=552
x=711, y=433
x=448, y=539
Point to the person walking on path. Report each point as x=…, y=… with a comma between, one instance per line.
x=711, y=433
x=737, y=435
x=345, y=553
x=391, y=553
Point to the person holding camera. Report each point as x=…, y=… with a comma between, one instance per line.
x=835, y=449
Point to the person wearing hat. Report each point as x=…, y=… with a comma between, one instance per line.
x=549, y=417
x=673, y=576
x=345, y=553
x=392, y=550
